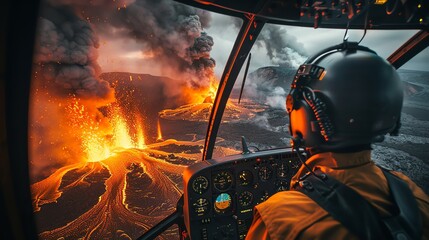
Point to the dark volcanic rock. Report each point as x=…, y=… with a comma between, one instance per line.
x=71, y=204
x=267, y=78
x=266, y=83
x=143, y=94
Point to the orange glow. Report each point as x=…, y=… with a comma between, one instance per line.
x=211, y=92
x=159, y=132
x=121, y=135
x=108, y=142
x=99, y=142
x=380, y=2
x=203, y=94
x=79, y=145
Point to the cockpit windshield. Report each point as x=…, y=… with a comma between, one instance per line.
x=121, y=93
x=121, y=96
x=256, y=109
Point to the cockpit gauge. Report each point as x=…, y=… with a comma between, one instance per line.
x=200, y=184
x=222, y=202
x=245, y=178
x=282, y=170
x=265, y=173
x=201, y=206
x=222, y=181
x=245, y=199
x=263, y=197
x=295, y=164
x=282, y=186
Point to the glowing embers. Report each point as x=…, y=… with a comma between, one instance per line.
x=101, y=136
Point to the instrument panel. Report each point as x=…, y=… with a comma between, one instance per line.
x=220, y=193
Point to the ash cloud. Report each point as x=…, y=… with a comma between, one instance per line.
x=270, y=84
x=66, y=55
x=202, y=63
x=282, y=48
x=173, y=33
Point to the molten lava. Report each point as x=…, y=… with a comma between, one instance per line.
x=111, y=143
x=200, y=107
x=99, y=143
x=101, y=178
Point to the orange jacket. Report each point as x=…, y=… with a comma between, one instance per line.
x=293, y=215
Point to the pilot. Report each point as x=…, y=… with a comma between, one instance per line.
x=342, y=100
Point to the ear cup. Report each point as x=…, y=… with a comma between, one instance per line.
x=317, y=106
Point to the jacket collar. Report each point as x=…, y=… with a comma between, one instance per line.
x=335, y=161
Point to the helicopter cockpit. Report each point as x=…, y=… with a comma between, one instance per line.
x=167, y=119
x=220, y=193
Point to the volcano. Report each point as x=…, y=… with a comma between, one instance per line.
x=116, y=170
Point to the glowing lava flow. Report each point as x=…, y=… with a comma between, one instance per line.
x=124, y=184
x=111, y=212
x=46, y=191
x=200, y=108
x=111, y=147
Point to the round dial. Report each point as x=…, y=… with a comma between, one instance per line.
x=265, y=173
x=222, y=202
x=294, y=163
x=201, y=206
x=282, y=170
x=282, y=186
x=222, y=181
x=264, y=196
x=245, y=199
x=245, y=178
x=200, y=184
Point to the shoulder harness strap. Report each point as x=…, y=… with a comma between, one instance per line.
x=357, y=214
x=406, y=222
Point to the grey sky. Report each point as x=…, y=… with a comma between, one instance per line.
x=129, y=55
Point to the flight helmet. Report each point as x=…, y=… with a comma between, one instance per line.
x=344, y=96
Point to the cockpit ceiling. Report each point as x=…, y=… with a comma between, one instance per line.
x=383, y=14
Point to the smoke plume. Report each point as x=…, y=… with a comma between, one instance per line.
x=202, y=63
x=168, y=34
x=282, y=48
x=172, y=33
x=66, y=55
